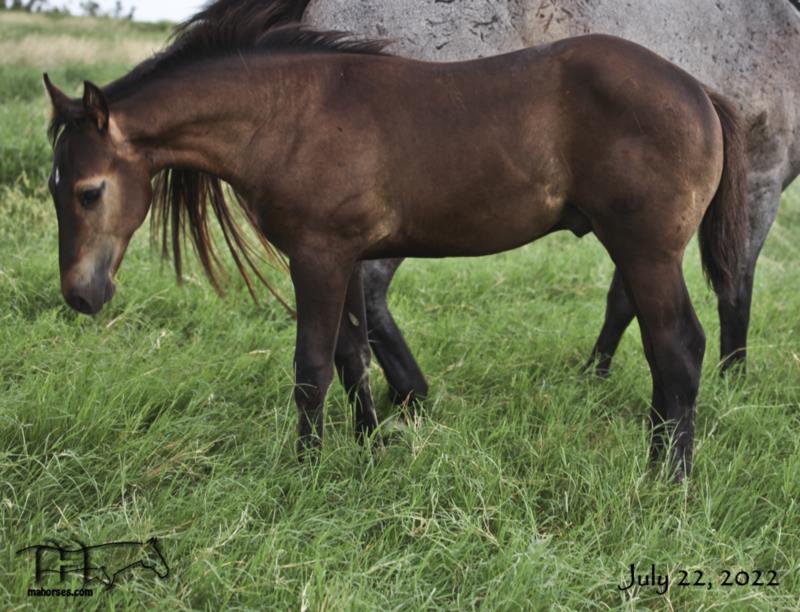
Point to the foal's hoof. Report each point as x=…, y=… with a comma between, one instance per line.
x=734, y=364
x=378, y=447
x=370, y=436
x=309, y=449
x=600, y=366
x=676, y=470
x=680, y=472
x=407, y=398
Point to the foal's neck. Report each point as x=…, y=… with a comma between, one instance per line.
x=210, y=117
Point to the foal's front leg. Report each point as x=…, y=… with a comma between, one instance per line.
x=320, y=284
x=405, y=378
x=353, y=356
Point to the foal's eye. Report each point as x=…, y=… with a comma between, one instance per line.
x=90, y=197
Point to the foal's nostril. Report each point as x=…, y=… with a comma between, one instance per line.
x=79, y=303
x=109, y=292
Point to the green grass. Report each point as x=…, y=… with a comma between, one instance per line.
x=524, y=485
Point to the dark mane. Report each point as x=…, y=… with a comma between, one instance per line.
x=229, y=27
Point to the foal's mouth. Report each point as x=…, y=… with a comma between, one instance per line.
x=90, y=300
x=89, y=295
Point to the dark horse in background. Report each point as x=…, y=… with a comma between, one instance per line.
x=339, y=154
x=747, y=50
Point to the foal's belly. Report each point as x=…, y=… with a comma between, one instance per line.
x=473, y=228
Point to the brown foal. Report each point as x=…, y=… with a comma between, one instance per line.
x=340, y=153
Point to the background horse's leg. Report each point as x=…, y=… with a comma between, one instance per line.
x=405, y=378
x=764, y=198
x=619, y=314
x=353, y=355
x=674, y=344
x=320, y=284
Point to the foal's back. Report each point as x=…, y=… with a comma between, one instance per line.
x=515, y=142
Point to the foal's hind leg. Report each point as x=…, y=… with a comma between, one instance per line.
x=674, y=344
x=619, y=314
x=352, y=357
x=406, y=381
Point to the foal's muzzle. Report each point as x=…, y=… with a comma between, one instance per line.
x=90, y=299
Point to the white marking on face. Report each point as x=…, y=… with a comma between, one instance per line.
x=82, y=272
x=57, y=177
x=99, y=256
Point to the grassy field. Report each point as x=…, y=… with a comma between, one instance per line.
x=523, y=487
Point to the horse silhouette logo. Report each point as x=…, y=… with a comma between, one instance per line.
x=104, y=563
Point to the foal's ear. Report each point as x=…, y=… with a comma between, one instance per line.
x=61, y=101
x=95, y=105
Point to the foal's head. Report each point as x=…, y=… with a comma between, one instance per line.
x=101, y=190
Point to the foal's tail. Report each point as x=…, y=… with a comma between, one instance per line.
x=724, y=230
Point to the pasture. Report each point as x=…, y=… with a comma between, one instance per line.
x=523, y=485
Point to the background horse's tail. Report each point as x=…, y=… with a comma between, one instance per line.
x=723, y=232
